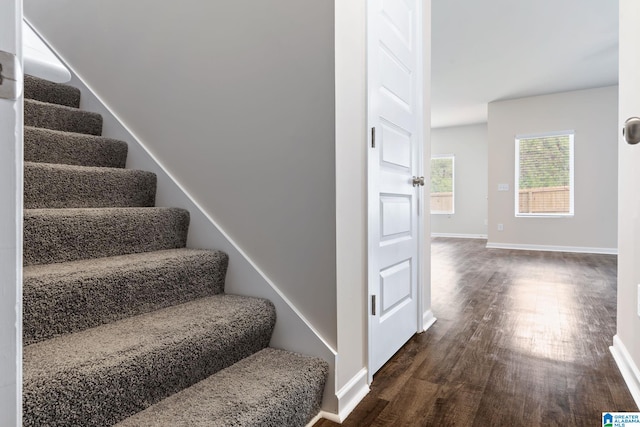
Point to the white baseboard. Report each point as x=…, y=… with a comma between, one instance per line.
x=326, y=416
x=428, y=319
x=318, y=417
x=551, y=248
x=349, y=396
x=628, y=368
x=460, y=235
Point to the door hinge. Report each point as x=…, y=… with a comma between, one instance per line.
x=373, y=137
x=10, y=76
x=373, y=305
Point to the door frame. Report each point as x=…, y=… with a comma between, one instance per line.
x=625, y=348
x=423, y=192
x=11, y=187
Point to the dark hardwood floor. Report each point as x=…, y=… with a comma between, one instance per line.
x=522, y=339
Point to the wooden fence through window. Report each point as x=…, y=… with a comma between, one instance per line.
x=442, y=202
x=544, y=200
x=532, y=200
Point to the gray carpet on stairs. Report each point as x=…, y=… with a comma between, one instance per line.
x=60, y=235
x=51, y=146
x=118, y=316
x=45, y=91
x=102, y=375
x=49, y=185
x=59, y=117
x=279, y=380
x=73, y=296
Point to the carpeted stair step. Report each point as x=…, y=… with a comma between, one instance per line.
x=54, y=93
x=66, y=186
x=272, y=388
x=59, y=117
x=73, y=296
x=51, y=146
x=102, y=375
x=60, y=235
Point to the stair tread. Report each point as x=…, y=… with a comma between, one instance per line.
x=50, y=185
x=269, y=388
x=61, y=117
x=70, y=296
x=90, y=267
x=109, y=372
x=121, y=322
x=55, y=146
x=69, y=234
x=55, y=93
x=84, y=168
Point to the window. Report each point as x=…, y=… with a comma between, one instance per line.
x=544, y=175
x=442, y=201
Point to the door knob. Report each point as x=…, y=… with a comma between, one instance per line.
x=417, y=180
x=631, y=130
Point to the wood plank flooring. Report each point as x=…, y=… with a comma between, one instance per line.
x=522, y=339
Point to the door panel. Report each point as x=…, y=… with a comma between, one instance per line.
x=393, y=202
x=396, y=151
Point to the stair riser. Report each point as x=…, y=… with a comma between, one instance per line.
x=59, y=235
x=55, y=93
x=52, y=116
x=103, y=394
x=124, y=390
x=47, y=146
x=270, y=388
x=56, y=304
x=54, y=186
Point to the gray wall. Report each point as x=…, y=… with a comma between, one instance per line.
x=593, y=115
x=235, y=98
x=469, y=146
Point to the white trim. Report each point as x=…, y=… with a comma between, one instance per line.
x=325, y=415
x=628, y=368
x=39, y=60
x=516, y=198
x=428, y=319
x=551, y=248
x=352, y=393
x=11, y=218
x=545, y=134
x=349, y=396
x=460, y=235
x=314, y=420
x=422, y=191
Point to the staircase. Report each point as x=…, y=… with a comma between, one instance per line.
x=123, y=325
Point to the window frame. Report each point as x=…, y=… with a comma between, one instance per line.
x=453, y=183
x=571, y=213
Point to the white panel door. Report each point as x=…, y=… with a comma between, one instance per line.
x=629, y=183
x=394, y=52
x=10, y=226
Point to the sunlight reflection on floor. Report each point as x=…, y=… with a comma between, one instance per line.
x=541, y=323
